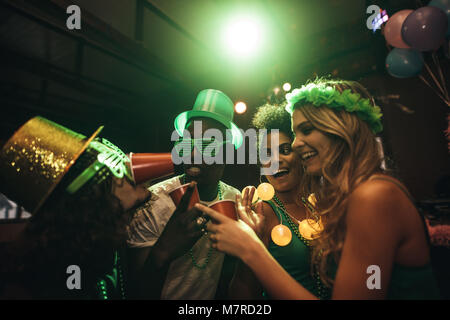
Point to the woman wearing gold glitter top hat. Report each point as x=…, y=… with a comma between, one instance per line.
x=374, y=243
x=80, y=193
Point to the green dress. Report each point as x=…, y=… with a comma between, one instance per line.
x=295, y=258
x=412, y=283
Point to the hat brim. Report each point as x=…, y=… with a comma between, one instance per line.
x=182, y=119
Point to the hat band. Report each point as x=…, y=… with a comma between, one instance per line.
x=109, y=156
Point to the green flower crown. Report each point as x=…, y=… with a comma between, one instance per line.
x=320, y=95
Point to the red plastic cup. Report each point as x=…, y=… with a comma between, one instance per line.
x=225, y=207
x=149, y=166
x=177, y=193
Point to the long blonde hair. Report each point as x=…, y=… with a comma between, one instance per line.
x=354, y=156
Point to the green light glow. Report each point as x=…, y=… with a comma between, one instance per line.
x=243, y=36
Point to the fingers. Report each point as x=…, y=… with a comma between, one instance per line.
x=213, y=214
x=245, y=197
x=251, y=195
x=259, y=208
x=184, y=202
x=248, y=195
x=244, y=212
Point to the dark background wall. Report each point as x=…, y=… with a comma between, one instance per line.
x=136, y=64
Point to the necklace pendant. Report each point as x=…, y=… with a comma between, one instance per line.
x=281, y=235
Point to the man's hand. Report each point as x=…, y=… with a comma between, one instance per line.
x=183, y=228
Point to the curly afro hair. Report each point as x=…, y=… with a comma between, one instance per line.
x=81, y=229
x=269, y=116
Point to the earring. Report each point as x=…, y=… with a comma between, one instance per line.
x=261, y=178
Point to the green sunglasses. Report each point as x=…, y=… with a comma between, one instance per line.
x=206, y=146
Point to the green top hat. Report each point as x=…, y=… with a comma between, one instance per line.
x=213, y=104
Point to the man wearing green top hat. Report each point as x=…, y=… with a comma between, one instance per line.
x=171, y=258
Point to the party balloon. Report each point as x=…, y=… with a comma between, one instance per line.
x=444, y=5
x=425, y=28
x=393, y=29
x=404, y=63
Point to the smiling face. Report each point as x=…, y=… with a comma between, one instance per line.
x=309, y=143
x=289, y=173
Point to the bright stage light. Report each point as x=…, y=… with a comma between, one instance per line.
x=240, y=107
x=243, y=36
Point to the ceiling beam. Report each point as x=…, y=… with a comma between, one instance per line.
x=96, y=34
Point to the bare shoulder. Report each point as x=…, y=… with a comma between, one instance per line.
x=378, y=204
x=379, y=193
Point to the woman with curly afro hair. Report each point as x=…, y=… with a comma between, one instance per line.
x=285, y=208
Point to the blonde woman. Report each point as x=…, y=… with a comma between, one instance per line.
x=373, y=243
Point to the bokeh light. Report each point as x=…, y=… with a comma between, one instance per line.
x=265, y=191
x=276, y=90
x=281, y=235
x=287, y=86
x=240, y=107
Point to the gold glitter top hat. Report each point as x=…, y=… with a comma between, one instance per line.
x=35, y=159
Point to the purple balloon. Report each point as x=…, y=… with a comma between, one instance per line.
x=425, y=28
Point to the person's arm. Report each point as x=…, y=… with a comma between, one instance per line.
x=147, y=272
x=148, y=266
x=238, y=238
x=244, y=284
x=373, y=234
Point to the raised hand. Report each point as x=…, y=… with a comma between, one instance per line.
x=244, y=208
x=183, y=229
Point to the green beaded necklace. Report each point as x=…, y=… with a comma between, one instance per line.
x=101, y=284
x=210, y=250
x=322, y=291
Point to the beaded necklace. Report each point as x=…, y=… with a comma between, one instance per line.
x=101, y=284
x=191, y=253
x=322, y=291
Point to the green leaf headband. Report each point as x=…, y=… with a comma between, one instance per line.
x=109, y=156
x=320, y=95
